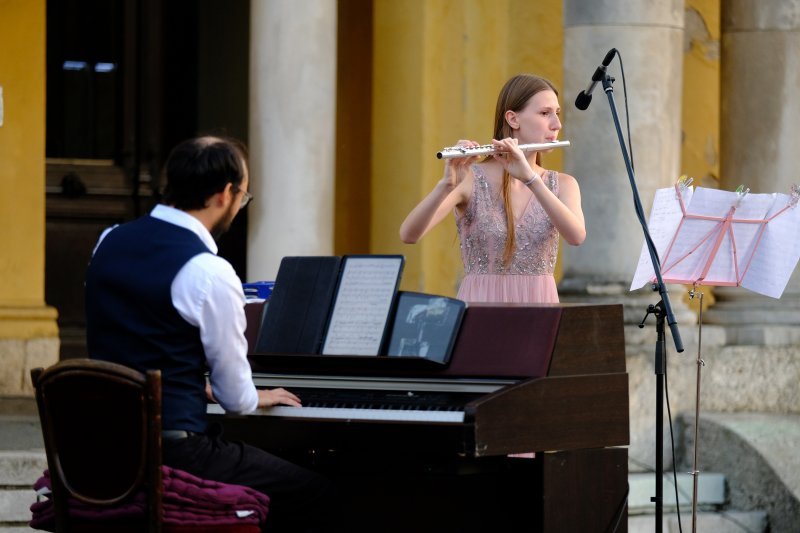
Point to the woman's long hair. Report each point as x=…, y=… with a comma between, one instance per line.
x=513, y=97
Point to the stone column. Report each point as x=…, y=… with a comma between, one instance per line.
x=649, y=36
x=760, y=132
x=291, y=133
x=28, y=328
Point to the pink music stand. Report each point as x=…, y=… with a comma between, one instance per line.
x=725, y=238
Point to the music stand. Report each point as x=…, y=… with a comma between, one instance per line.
x=721, y=238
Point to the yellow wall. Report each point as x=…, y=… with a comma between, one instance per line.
x=22, y=136
x=438, y=66
x=701, y=92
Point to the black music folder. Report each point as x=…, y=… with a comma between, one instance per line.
x=331, y=305
x=297, y=313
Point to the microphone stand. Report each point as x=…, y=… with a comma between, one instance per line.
x=662, y=310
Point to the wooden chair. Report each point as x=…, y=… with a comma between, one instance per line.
x=101, y=424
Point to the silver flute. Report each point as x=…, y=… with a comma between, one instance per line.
x=452, y=152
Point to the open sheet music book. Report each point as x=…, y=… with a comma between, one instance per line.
x=363, y=305
x=713, y=237
x=331, y=305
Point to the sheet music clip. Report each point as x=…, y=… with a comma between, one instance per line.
x=693, y=291
x=741, y=192
x=795, y=195
x=684, y=182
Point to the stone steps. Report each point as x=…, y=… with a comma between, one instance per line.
x=712, y=514
x=18, y=472
x=758, y=453
x=22, y=461
x=710, y=491
x=719, y=522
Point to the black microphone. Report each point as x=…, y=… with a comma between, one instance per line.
x=585, y=97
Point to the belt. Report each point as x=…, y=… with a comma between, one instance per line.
x=176, y=434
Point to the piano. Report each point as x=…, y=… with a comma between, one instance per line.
x=419, y=446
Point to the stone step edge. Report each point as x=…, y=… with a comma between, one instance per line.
x=15, y=505
x=728, y=521
x=21, y=468
x=711, y=491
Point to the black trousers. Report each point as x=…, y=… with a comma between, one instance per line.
x=300, y=500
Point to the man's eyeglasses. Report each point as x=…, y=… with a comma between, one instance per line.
x=246, y=197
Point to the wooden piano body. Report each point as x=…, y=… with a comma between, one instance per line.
x=545, y=379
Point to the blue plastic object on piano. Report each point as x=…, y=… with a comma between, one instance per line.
x=258, y=289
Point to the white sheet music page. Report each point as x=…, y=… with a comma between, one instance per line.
x=778, y=252
x=665, y=216
x=363, y=302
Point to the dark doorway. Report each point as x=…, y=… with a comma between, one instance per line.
x=126, y=81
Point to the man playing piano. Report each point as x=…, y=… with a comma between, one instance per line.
x=158, y=297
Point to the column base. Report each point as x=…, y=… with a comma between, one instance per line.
x=634, y=303
x=753, y=319
x=28, y=339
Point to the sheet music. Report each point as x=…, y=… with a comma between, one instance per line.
x=778, y=252
x=362, y=306
x=665, y=216
x=700, y=244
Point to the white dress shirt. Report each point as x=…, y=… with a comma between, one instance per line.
x=208, y=294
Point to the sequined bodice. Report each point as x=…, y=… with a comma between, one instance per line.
x=482, y=230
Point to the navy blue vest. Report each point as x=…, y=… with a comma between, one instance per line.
x=130, y=318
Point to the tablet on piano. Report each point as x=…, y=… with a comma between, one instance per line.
x=425, y=326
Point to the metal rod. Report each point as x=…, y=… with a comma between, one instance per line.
x=700, y=363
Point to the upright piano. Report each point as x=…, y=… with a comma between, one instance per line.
x=523, y=430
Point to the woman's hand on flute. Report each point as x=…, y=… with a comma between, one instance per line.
x=449, y=192
x=455, y=170
x=513, y=160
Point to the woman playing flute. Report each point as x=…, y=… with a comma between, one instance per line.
x=509, y=210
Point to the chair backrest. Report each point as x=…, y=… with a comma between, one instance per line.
x=101, y=424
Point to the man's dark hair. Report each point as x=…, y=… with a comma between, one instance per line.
x=199, y=168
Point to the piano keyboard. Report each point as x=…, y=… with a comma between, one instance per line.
x=355, y=414
x=384, y=400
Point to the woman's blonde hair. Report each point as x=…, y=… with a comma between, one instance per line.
x=513, y=97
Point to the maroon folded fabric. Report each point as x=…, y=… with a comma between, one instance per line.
x=187, y=501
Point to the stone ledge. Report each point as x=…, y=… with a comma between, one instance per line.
x=758, y=454
x=763, y=335
x=15, y=505
x=18, y=405
x=20, y=433
x=19, y=356
x=710, y=491
x=21, y=468
x=734, y=379
x=646, y=336
x=722, y=522
x=772, y=335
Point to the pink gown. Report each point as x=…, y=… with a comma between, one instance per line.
x=482, y=231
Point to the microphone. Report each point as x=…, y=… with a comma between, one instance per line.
x=585, y=97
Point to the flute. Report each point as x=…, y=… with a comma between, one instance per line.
x=452, y=152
